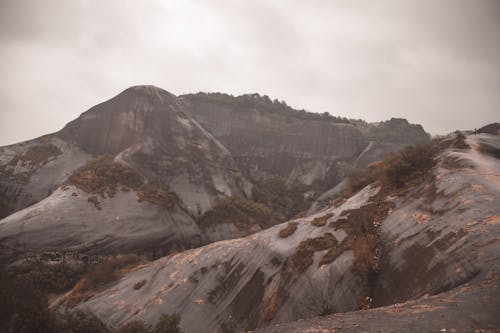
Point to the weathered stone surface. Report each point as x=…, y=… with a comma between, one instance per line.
x=441, y=263
x=143, y=128
x=240, y=284
x=439, y=236
x=284, y=142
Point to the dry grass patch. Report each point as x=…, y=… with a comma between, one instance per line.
x=240, y=212
x=156, y=192
x=459, y=141
x=103, y=176
x=397, y=171
x=288, y=230
x=303, y=256
x=101, y=275
x=321, y=221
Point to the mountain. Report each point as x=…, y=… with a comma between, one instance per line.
x=493, y=128
x=268, y=138
x=147, y=170
x=419, y=243
x=131, y=173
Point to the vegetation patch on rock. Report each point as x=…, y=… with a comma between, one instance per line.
x=168, y=323
x=264, y=103
x=459, y=141
x=290, y=228
x=156, y=192
x=240, y=212
x=103, y=176
x=321, y=220
x=398, y=170
x=101, y=275
x=303, y=256
x=284, y=199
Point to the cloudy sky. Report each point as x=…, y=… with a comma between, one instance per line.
x=433, y=62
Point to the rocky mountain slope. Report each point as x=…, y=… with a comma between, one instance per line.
x=434, y=236
x=130, y=173
x=147, y=169
x=269, y=138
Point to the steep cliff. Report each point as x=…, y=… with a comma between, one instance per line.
x=100, y=184
x=270, y=138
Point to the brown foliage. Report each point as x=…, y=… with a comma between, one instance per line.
x=240, y=212
x=303, y=256
x=139, y=284
x=321, y=221
x=459, y=141
x=288, y=230
x=156, y=192
x=397, y=170
x=100, y=275
x=104, y=175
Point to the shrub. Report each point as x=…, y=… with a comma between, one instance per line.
x=321, y=221
x=240, y=212
x=156, y=192
x=263, y=103
x=397, y=169
x=285, y=200
x=135, y=326
x=411, y=163
x=168, y=323
x=52, y=278
x=303, y=256
x=23, y=307
x=103, y=175
x=288, y=230
x=81, y=322
x=459, y=141
x=101, y=275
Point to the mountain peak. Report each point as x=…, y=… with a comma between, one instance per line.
x=125, y=119
x=148, y=90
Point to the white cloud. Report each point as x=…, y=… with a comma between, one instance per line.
x=435, y=63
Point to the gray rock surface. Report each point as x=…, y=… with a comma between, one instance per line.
x=441, y=235
x=237, y=284
x=67, y=221
x=287, y=143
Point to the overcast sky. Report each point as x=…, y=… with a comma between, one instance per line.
x=433, y=62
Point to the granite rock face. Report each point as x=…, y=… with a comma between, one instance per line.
x=441, y=267
x=240, y=284
x=268, y=138
x=440, y=248
x=200, y=150
x=144, y=129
